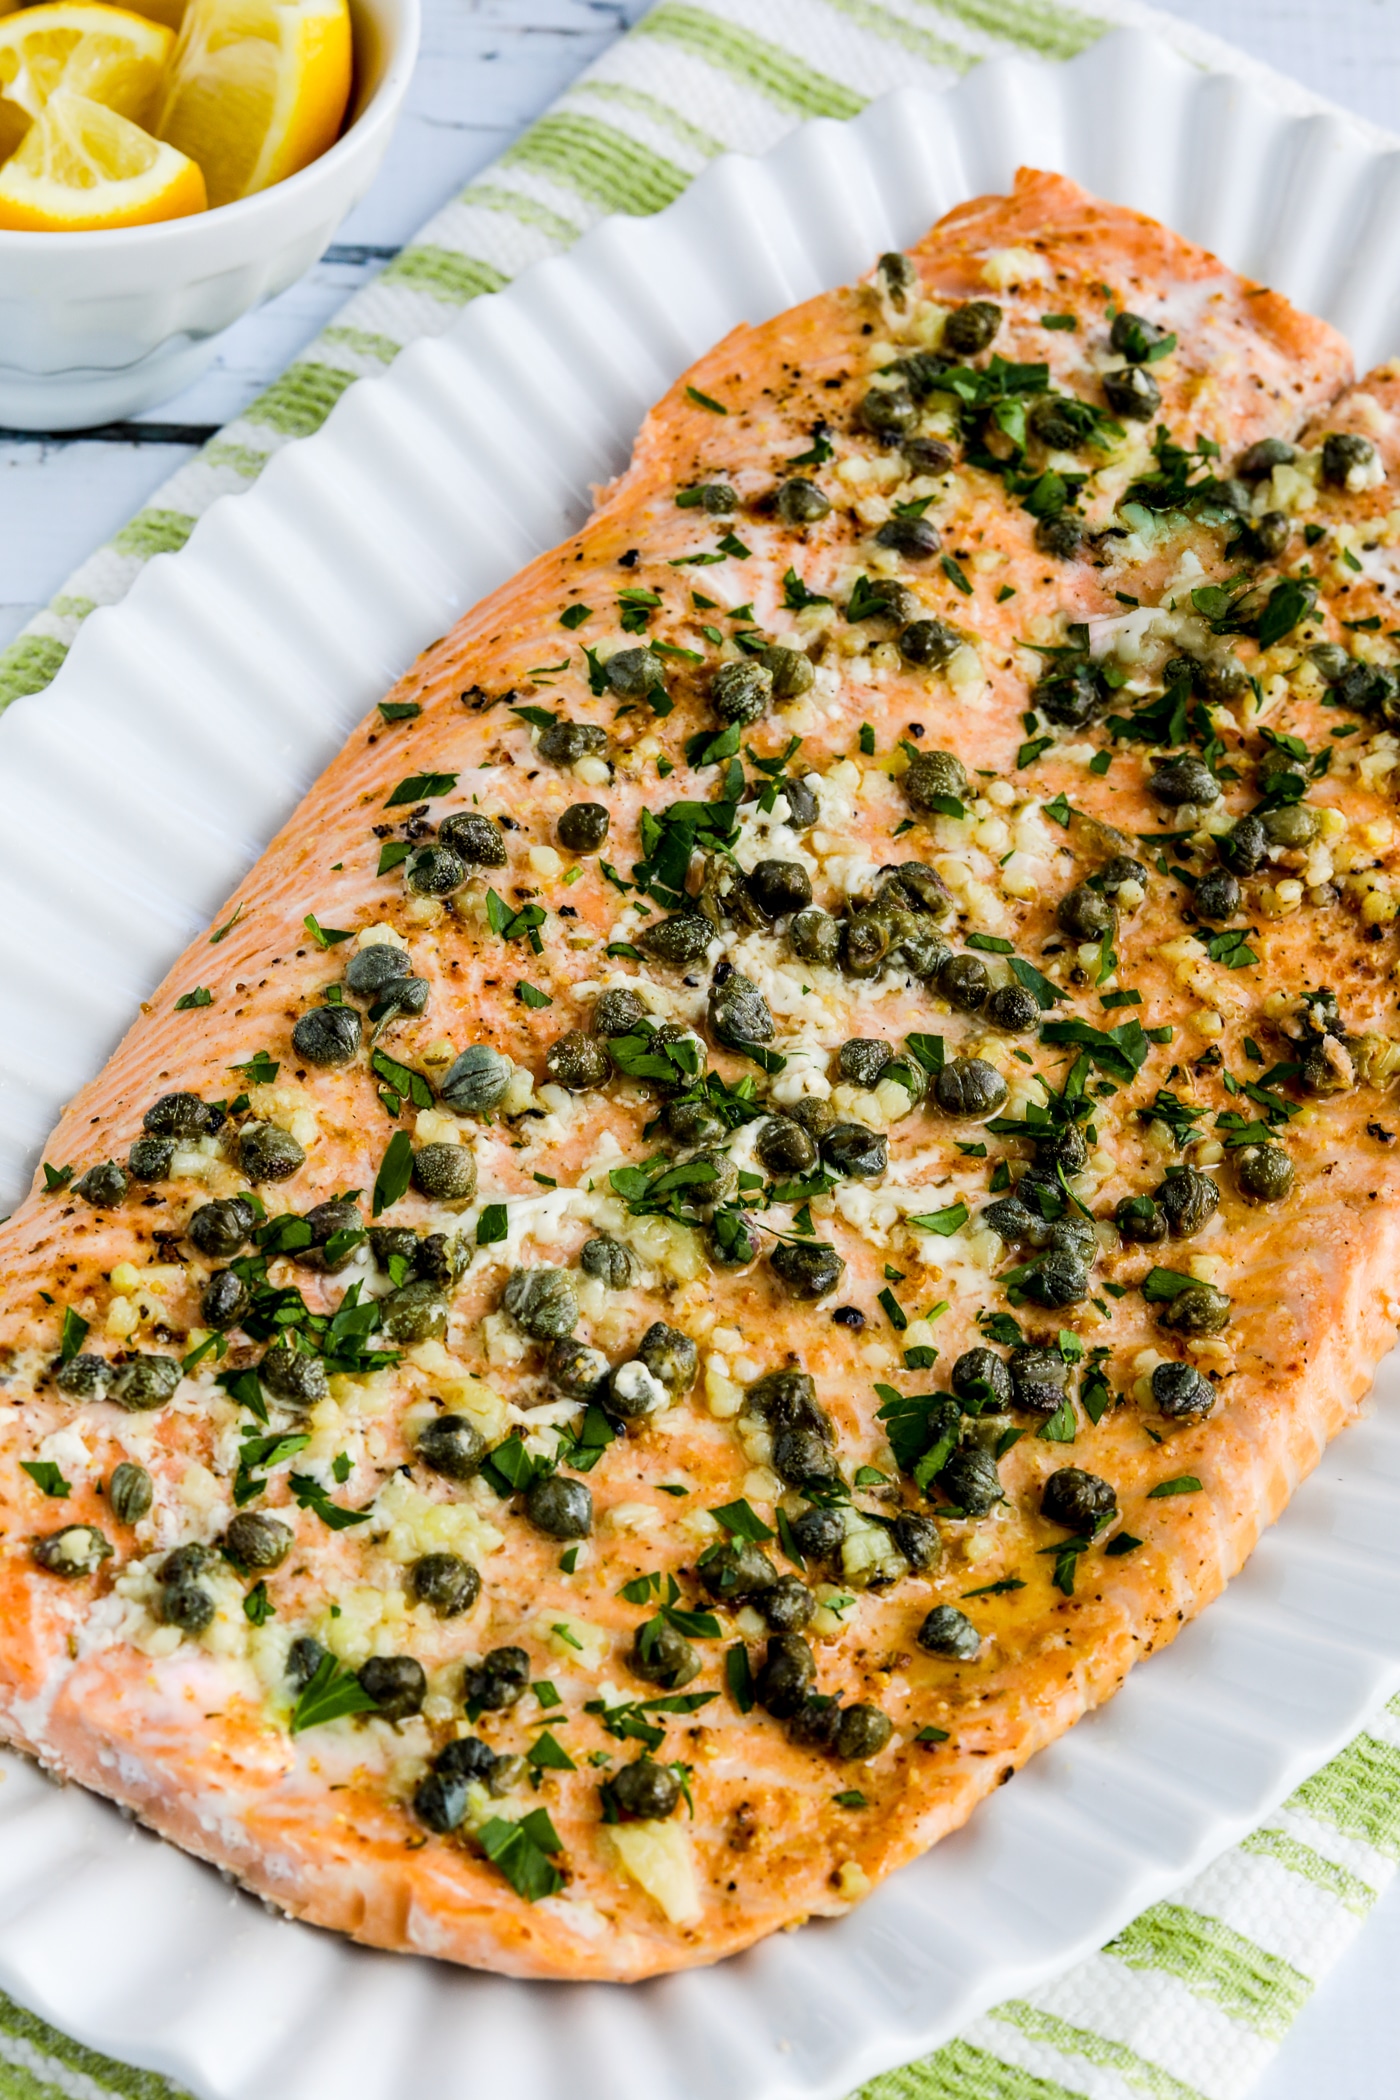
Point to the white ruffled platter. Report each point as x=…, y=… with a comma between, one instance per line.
x=183, y=730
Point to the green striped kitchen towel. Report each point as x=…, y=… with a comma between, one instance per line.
x=1191, y=2000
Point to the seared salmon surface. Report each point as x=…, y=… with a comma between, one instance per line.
x=785, y=1162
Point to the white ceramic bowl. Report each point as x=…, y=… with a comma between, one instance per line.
x=95, y=326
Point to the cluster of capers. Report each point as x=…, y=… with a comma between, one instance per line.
x=139, y=1382
x=263, y=1152
x=382, y=975
x=785, y=1686
x=465, y=840
x=1038, y=1216
x=398, y=1684
x=442, y=1796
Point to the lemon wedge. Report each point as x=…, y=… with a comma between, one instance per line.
x=104, y=53
x=256, y=89
x=81, y=167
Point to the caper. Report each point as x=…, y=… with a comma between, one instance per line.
x=738, y=1012
x=268, y=1153
x=256, y=1541
x=792, y=675
x=799, y=502
x=927, y=456
x=499, y=1680
x=334, y=1235
x=406, y=995
x=1243, y=848
x=1188, y=1199
x=779, y=886
x=969, y=1087
x=900, y=277
x=75, y=1551
x=720, y=1186
x=1132, y=393
x=964, y=983
x=415, y=1312
x=145, y=1382
x=577, y=1061
x=607, y=1261
x=1058, y=1279
x=738, y=1569
x=1263, y=1173
x=693, y=1122
x=1013, y=1009
x=645, y=1790
x=715, y=498
x=815, y=937
x=1080, y=1501
x=815, y=1724
x=445, y=1173
x=441, y=1260
x=934, y=777
x=980, y=1377
x=949, y=1633
x=634, y=1392
x=440, y=1802
x=1295, y=824
x=861, y=1732
x=560, y=1508
x=670, y=1356
x=972, y=327
x=327, y=1035
x=633, y=671
x=1139, y=1220
x=742, y=692
x=1263, y=456
x=150, y=1158
x=466, y=1757
x=576, y=1370
x=84, y=1377
x=785, y=1149
x=1115, y=874
x=398, y=1685
x=179, y=1116
x=476, y=1081
x=862, y=1060
x=919, y=1540
x=583, y=827
x=1181, y=1393
x=851, y=1149
x=1181, y=780
x=475, y=839
x=433, y=871
x=618, y=1012
x=542, y=1302
x=1344, y=453
x=819, y=1532
x=186, y=1606
x=971, y=1481
x=888, y=413
x=1071, y=696
x=928, y=645
x=1330, y=661
x=806, y=1270
x=660, y=1655
x=1085, y=915
x=130, y=1492
x=788, y=1605
x=679, y=940
x=1038, y=1378
x=304, y=1659
x=786, y=1675
x=1216, y=897
x=1061, y=535
x=1134, y=337
x=1272, y=532
x=103, y=1186
x=452, y=1445
x=370, y=972
x=1200, y=1310
x=389, y=1243
x=186, y=1562
x=882, y=599
x=222, y=1228
x=446, y=1583
x=915, y=539
x=922, y=889
x=292, y=1377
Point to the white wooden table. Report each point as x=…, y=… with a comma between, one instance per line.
x=487, y=68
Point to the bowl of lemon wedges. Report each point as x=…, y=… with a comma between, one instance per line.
x=164, y=167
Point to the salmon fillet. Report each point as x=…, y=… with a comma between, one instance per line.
x=588, y=1380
